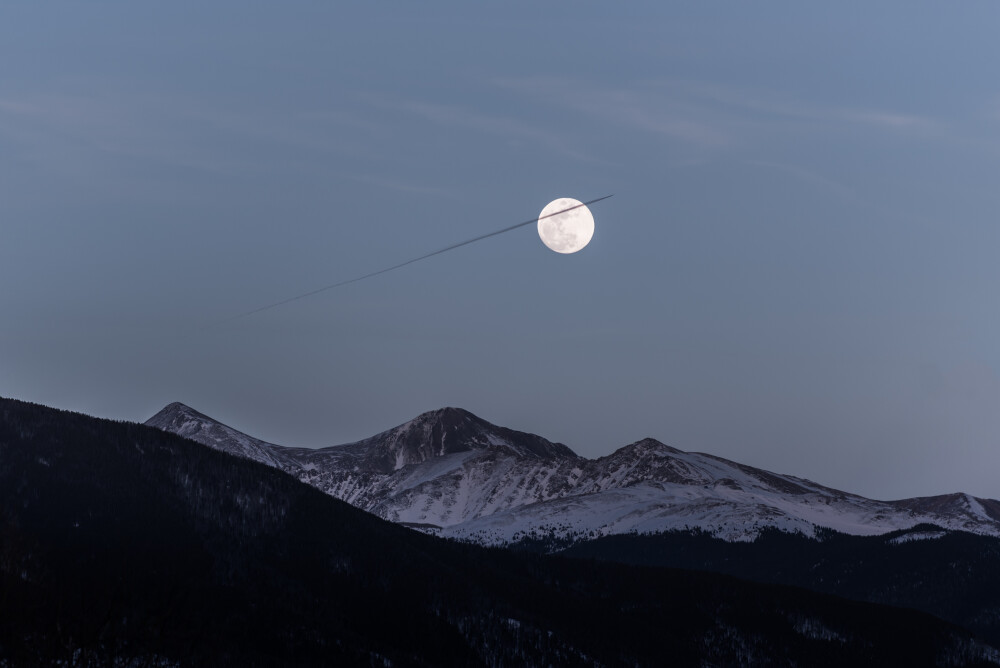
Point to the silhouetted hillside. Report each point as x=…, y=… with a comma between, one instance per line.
x=122, y=543
x=950, y=574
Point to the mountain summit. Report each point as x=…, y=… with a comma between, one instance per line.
x=448, y=431
x=451, y=471
x=189, y=423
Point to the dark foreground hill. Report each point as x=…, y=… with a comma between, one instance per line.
x=950, y=574
x=125, y=545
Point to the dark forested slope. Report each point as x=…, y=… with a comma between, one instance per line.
x=950, y=574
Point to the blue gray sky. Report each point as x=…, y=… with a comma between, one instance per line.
x=798, y=270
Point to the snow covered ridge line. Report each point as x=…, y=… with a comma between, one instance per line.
x=453, y=473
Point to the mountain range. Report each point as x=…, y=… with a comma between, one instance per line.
x=122, y=545
x=459, y=476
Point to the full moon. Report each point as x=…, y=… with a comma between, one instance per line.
x=569, y=231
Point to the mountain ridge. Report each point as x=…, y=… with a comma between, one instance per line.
x=492, y=485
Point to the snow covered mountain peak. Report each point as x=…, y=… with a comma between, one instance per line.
x=181, y=419
x=185, y=421
x=647, y=447
x=449, y=431
x=176, y=410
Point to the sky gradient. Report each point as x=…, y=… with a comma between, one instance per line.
x=798, y=270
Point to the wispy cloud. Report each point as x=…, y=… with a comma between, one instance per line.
x=176, y=130
x=406, y=187
x=811, y=177
x=668, y=121
x=16, y=107
x=993, y=108
x=639, y=108
x=780, y=105
x=506, y=126
x=885, y=119
x=701, y=114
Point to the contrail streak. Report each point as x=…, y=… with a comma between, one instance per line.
x=403, y=264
